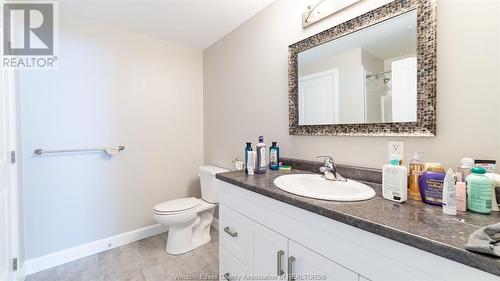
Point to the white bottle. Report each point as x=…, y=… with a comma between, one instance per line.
x=261, y=157
x=449, y=194
x=395, y=181
x=250, y=162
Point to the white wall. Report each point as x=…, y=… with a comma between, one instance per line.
x=246, y=90
x=112, y=87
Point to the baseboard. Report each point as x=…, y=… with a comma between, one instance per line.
x=58, y=258
x=215, y=223
x=20, y=275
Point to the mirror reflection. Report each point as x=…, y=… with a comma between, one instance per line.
x=369, y=76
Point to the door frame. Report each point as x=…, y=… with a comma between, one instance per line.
x=8, y=78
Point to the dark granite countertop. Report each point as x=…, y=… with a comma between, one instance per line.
x=412, y=223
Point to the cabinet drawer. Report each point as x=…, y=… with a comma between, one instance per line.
x=230, y=268
x=233, y=232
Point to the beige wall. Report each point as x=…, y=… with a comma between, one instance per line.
x=112, y=87
x=245, y=88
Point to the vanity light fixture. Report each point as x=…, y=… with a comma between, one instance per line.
x=320, y=9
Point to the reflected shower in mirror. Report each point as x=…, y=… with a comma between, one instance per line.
x=369, y=76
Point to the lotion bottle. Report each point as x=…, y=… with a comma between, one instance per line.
x=395, y=181
x=479, y=197
x=461, y=197
x=449, y=194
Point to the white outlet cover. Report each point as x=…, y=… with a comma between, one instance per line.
x=396, y=147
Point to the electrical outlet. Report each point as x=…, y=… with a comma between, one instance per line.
x=396, y=147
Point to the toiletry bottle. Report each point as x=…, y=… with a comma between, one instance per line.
x=495, y=182
x=247, y=149
x=274, y=157
x=461, y=197
x=449, y=194
x=251, y=162
x=466, y=164
x=395, y=181
x=416, y=170
x=488, y=165
x=261, y=156
x=431, y=185
x=479, y=191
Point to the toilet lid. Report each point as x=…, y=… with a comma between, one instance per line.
x=177, y=205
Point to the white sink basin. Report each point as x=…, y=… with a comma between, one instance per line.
x=315, y=186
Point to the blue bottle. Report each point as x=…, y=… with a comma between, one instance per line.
x=247, y=149
x=274, y=157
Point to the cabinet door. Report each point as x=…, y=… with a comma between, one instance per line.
x=304, y=264
x=267, y=252
x=233, y=232
x=230, y=268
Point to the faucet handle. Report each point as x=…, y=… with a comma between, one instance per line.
x=325, y=159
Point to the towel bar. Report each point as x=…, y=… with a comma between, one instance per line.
x=107, y=150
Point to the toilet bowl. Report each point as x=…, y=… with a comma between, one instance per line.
x=189, y=219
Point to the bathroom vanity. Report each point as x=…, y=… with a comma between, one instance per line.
x=268, y=233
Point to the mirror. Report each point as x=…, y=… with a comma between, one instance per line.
x=369, y=76
x=374, y=75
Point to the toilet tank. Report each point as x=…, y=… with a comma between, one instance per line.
x=209, y=184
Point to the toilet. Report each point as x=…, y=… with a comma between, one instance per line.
x=189, y=219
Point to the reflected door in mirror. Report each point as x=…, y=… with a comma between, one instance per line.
x=368, y=76
x=318, y=98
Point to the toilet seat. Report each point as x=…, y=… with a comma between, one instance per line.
x=177, y=206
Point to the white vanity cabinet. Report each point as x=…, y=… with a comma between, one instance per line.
x=261, y=238
x=268, y=254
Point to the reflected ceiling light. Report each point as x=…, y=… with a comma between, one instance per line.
x=319, y=9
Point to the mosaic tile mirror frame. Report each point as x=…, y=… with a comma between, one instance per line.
x=425, y=125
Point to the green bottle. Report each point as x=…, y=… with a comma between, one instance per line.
x=479, y=193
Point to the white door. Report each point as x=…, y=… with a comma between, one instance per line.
x=404, y=90
x=304, y=264
x=318, y=98
x=7, y=180
x=268, y=252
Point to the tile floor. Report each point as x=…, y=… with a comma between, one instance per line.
x=144, y=260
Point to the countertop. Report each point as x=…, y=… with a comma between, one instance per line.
x=412, y=223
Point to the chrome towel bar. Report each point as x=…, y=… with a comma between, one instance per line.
x=111, y=150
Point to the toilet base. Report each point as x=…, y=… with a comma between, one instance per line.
x=188, y=236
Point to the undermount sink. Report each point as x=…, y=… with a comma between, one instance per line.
x=316, y=186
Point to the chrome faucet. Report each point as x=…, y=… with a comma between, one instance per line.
x=329, y=169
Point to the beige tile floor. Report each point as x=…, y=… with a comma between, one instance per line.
x=144, y=260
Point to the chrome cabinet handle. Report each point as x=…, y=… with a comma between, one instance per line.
x=279, y=269
x=226, y=276
x=233, y=234
x=291, y=259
